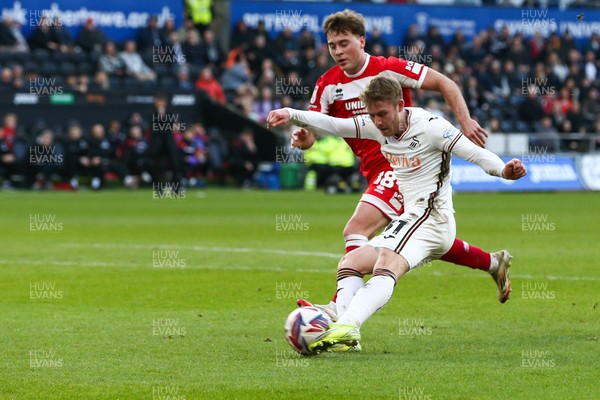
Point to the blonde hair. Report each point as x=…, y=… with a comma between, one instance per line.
x=381, y=88
x=346, y=21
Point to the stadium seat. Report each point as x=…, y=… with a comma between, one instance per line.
x=77, y=57
x=67, y=68
x=49, y=69
x=168, y=83
x=41, y=55
x=59, y=56
x=86, y=68
x=31, y=66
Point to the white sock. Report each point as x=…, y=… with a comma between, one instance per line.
x=353, y=241
x=346, y=289
x=494, y=263
x=370, y=298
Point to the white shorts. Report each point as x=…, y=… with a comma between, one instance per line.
x=419, y=235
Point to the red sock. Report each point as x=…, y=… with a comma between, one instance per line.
x=462, y=253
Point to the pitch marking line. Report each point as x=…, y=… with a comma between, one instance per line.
x=245, y=268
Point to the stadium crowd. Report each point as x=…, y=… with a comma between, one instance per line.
x=544, y=85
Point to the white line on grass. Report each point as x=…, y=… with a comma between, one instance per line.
x=207, y=248
x=261, y=268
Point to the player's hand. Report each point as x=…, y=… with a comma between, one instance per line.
x=514, y=169
x=277, y=118
x=302, y=139
x=474, y=132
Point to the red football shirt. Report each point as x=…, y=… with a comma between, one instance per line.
x=336, y=94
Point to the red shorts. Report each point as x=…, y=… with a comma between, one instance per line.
x=384, y=195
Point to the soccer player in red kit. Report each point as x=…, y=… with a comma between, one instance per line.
x=336, y=94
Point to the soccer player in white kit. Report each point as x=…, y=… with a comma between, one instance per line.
x=418, y=146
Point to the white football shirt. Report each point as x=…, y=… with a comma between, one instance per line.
x=420, y=156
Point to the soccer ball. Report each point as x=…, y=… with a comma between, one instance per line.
x=303, y=326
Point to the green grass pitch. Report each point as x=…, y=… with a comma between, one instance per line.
x=116, y=295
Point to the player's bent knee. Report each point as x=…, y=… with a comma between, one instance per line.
x=393, y=262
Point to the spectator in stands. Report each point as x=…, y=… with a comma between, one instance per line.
x=48, y=162
x=474, y=51
x=18, y=77
x=193, y=148
x=60, y=35
x=558, y=68
x=241, y=35
x=244, y=160
x=194, y=54
x=110, y=61
x=268, y=74
x=567, y=44
x=163, y=149
x=177, y=55
x=258, y=52
x=83, y=83
x=7, y=160
x=168, y=29
x=103, y=159
x=137, y=156
x=547, y=135
x=591, y=69
x=530, y=110
x=188, y=26
x=308, y=61
x=411, y=36
x=150, y=38
x=518, y=53
x=593, y=44
x=207, y=83
x=134, y=65
x=9, y=128
x=212, y=54
x=434, y=38
x=575, y=116
x=91, y=38
x=288, y=61
x=234, y=77
x=136, y=119
x=286, y=41
x=307, y=40
x=116, y=137
x=76, y=155
x=41, y=38
x=591, y=109
x=217, y=155
x=101, y=83
x=501, y=44
x=375, y=39
x=6, y=79
x=265, y=104
x=183, y=79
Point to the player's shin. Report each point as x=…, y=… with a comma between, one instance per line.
x=370, y=298
x=348, y=283
x=463, y=253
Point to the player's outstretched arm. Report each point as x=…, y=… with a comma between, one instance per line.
x=447, y=88
x=301, y=138
x=358, y=127
x=488, y=161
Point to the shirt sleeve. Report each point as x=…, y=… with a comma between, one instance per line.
x=318, y=101
x=409, y=73
x=445, y=137
x=359, y=127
